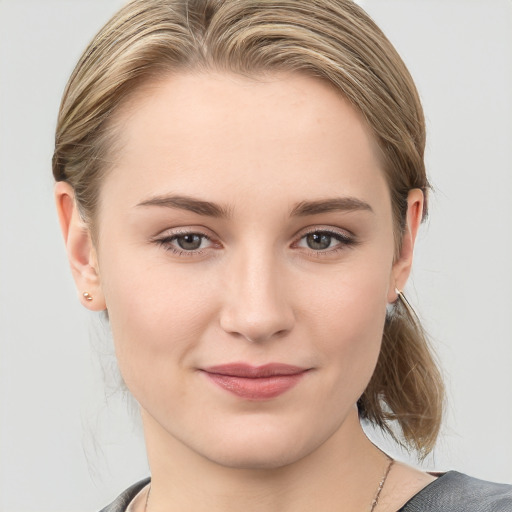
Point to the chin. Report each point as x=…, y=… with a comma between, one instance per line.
x=260, y=457
x=253, y=447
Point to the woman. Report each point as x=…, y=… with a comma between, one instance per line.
x=240, y=185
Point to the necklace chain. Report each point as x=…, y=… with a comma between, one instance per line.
x=374, y=502
x=381, y=485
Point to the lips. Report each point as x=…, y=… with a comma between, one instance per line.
x=255, y=382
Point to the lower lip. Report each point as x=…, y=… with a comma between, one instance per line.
x=263, y=388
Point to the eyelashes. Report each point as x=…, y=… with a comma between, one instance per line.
x=322, y=240
x=186, y=243
x=318, y=242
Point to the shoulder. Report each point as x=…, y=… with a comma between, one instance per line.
x=457, y=492
x=120, y=504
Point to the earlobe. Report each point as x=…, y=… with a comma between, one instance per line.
x=80, y=249
x=403, y=263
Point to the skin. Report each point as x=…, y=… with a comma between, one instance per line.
x=255, y=291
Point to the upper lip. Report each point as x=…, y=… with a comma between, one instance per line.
x=254, y=372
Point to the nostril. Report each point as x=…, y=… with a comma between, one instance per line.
x=256, y=313
x=263, y=336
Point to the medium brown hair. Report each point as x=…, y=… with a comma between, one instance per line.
x=334, y=40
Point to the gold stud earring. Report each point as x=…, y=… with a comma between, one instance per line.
x=87, y=296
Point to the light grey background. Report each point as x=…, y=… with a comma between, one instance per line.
x=67, y=441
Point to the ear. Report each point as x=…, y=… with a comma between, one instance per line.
x=80, y=249
x=402, y=265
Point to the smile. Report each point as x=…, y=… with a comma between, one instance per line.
x=255, y=382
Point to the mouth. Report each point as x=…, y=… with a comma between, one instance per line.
x=255, y=382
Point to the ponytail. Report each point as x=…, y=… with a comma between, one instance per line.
x=406, y=386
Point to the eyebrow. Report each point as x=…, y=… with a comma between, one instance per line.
x=302, y=209
x=336, y=204
x=190, y=204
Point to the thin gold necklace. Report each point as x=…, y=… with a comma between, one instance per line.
x=374, y=502
x=381, y=485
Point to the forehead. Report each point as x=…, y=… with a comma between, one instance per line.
x=224, y=136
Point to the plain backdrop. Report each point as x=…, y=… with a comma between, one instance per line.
x=69, y=441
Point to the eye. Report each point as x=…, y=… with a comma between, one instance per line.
x=185, y=242
x=324, y=240
x=189, y=242
x=318, y=241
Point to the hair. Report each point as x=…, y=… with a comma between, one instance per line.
x=333, y=40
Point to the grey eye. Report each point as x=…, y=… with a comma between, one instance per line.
x=189, y=242
x=319, y=241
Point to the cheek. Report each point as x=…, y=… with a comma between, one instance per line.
x=347, y=318
x=351, y=300
x=156, y=315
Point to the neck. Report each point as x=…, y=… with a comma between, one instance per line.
x=343, y=473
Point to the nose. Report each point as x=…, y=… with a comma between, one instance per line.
x=256, y=306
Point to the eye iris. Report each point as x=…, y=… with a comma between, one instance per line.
x=318, y=241
x=189, y=242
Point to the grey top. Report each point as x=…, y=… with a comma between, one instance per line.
x=451, y=492
x=456, y=492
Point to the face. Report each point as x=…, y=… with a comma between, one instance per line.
x=245, y=255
